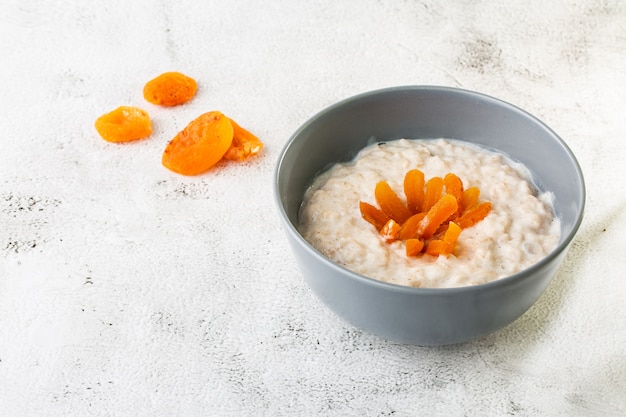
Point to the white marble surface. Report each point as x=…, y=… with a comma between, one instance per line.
x=126, y=289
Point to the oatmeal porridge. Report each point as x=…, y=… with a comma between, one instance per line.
x=520, y=229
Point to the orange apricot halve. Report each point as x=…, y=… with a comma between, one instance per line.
x=390, y=231
x=245, y=144
x=469, y=200
x=414, y=190
x=170, y=89
x=200, y=145
x=454, y=186
x=432, y=194
x=390, y=203
x=409, y=228
x=438, y=247
x=413, y=247
x=124, y=124
x=452, y=233
x=437, y=214
x=474, y=215
x=373, y=215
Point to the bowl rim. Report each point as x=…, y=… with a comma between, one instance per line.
x=504, y=281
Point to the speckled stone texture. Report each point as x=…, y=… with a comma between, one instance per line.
x=126, y=289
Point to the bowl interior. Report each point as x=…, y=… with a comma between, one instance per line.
x=338, y=132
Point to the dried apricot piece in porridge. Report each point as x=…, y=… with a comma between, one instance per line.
x=469, y=199
x=413, y=246
x=200, y=145
x=452, y=233
x=390, y=231
x=438, y=247
x=437, y=214
x=170, y=89
x=124, y=124
x=414, y=190
x=373, y=215
x=454, y=186
x=245, y=145
x=472, y=216
x=390, y=203
x=409, y=228
x=432, y=192
x=439, y=220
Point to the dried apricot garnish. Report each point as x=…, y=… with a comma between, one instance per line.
x=409, y=228
x=245, y=145
x=474, y=215
x=373, y=215
x=414, y=190
x=452, y=233
x=434, y=216
x=432, y=193
x=438, y=247
x=390, y=203
x=200, y=145
x=124, y=124
x=170, y=89
x=437, y=214
x=469, y=199
x=454, y=186
x=390, y=231
x=413, y=246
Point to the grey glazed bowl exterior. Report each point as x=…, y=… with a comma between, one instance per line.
x=426, y=316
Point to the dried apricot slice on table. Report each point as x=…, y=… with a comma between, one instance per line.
x=200, y=145
x=245, y=145
x=170, y=89
x=124, y=124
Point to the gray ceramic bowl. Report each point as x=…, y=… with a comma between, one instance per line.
x=426, y=316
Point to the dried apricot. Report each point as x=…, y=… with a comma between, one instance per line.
x=414, y=190
x=245, y=145
x=124, y=124
x=454, y=186
x=438, y=247
x=436, y=215
x=434, y=187
x=390, y=231
x=413, y=247
x=200, y=145
x=409, y=227
x=373, y=215
x=170, y=89
x=452, y=233
x=390, y=203
x=474, y=215
x=469, y=199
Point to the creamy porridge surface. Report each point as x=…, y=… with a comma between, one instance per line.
x=520, y=230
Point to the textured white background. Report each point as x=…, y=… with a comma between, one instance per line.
x=127, y=290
